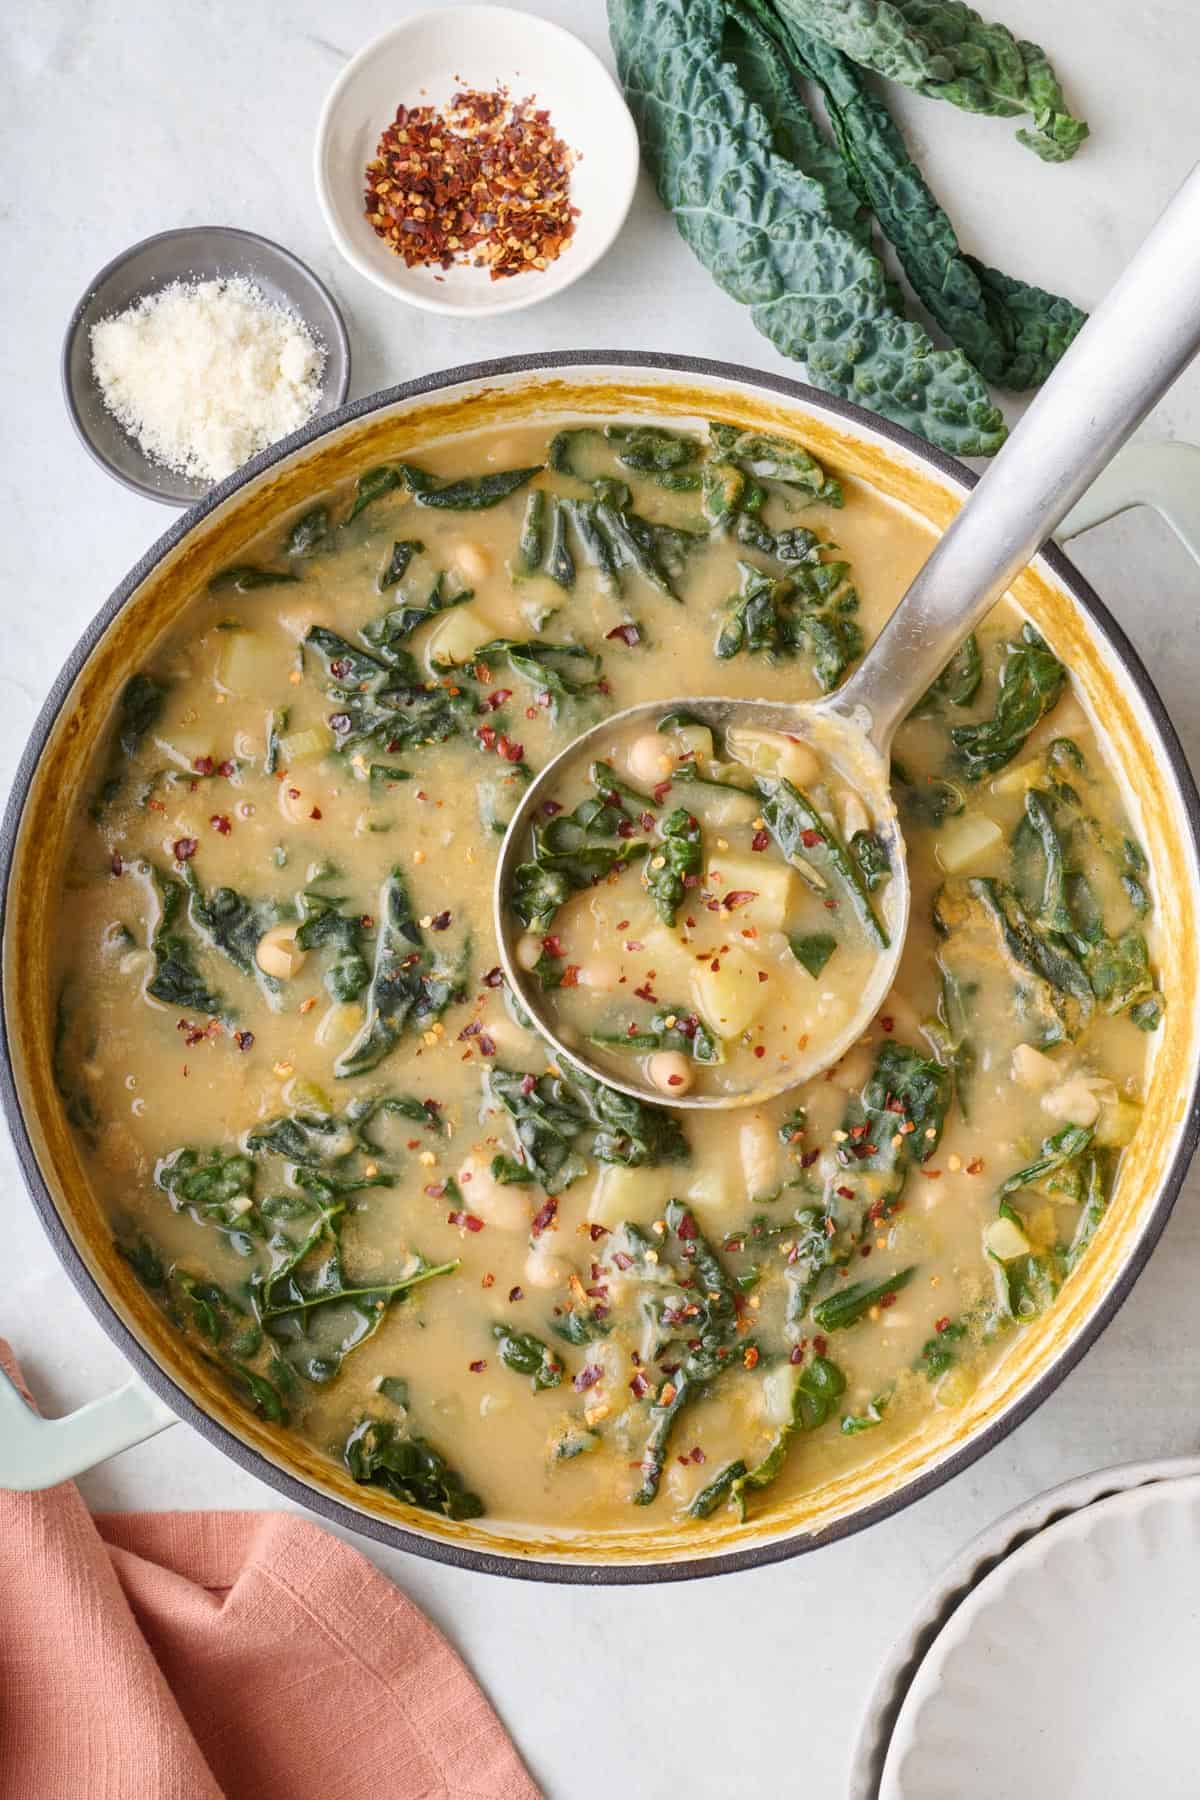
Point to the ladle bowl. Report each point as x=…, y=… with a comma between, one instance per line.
x=840, y=740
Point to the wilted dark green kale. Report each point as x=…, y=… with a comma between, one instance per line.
x=819, y=1386
x=176, y=980
x=560, y=1121
x=323, y=926
x=984, y=924
x=528, y=1355
x=411, y=985
x=677, y=856
x=806, y=612
x=1031, y=681
x=409, y=1469
x=706, y=1345
x=811, y=844
x=569, y=853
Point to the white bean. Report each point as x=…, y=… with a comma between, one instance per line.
x=528, y=950
x=670, y=1071
x=278, y=954
x=506, y=1208
x=472, y=561
x=648, y=759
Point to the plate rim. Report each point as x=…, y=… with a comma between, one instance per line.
x=967, y=1570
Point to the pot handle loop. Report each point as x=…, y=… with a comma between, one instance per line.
x=1165, y=476
x=38, y=1453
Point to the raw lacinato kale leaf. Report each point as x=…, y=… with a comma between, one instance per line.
x=410, y=985
x=944, y=49
x=770, y=237
x=409, y=1469
x=807, y=611
x=1014, y=334
x=1031, y=682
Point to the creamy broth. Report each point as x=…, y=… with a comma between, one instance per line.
x=331, y=1147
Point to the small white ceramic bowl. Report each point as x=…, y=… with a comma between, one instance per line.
x=425, y=61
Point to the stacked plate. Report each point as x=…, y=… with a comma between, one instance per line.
x=1058, y=1655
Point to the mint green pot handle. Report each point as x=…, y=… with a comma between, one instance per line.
x=1163, y=476
x=38, y=1453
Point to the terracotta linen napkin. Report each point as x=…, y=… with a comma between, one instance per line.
x=224, y=1656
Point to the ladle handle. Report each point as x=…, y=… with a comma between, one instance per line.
x=1137, y=342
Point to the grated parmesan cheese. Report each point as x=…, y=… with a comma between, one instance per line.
x=204, y=374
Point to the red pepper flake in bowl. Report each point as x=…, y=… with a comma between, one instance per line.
x=485, y=180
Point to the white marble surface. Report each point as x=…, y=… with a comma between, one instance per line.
x=125, y=118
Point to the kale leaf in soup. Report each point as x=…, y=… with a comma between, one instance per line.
x=336, y=1156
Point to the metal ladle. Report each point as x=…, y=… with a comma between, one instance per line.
x=1133, y=348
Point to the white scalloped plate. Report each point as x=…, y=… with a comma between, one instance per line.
x=1071, y=1670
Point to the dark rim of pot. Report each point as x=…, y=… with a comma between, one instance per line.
x=538, y=1568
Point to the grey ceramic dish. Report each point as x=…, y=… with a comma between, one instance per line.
x=204, y=252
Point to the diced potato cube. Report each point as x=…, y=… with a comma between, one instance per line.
x=1005, y=1239
x=772, y=883
x=711, y=1192
x=956, y=1386
x=696, y=738
x=339, y=1024
x=966, y=842
x=1118, y=1121
x=778, y=1391
x=305, y=746
x=729, y=997
x=1020, y=776
x=246, y=665
x=775, y=753
x=720, y=809
x=637, y=1195
x=456, y=638
x=1032, y=1068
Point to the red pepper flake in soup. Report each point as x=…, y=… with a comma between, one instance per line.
x=544, y=1217
x=486, y=180
x=183, y=849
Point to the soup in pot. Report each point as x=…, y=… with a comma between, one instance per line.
x=331, y=1146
